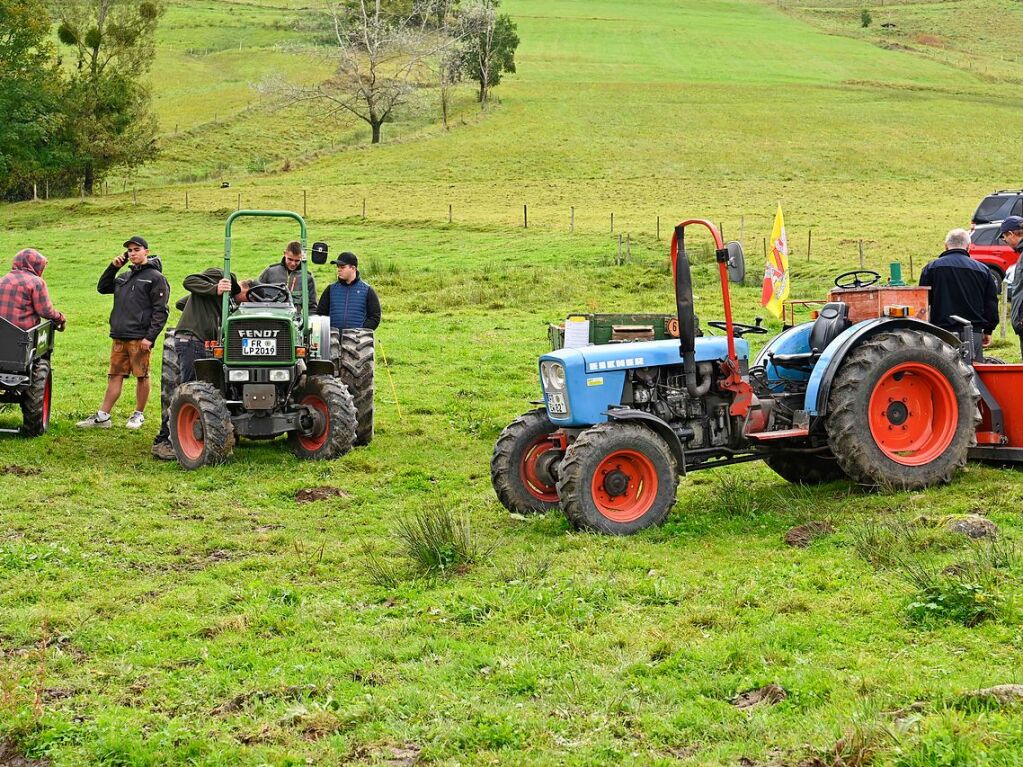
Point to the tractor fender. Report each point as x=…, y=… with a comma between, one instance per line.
x=819, y=386
x=658, y=425
x=320, y=367
x=211, y=371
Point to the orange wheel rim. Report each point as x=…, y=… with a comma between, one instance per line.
x=314, y=442
x=188, y=419
x=535, y=486
x=913, y=414
x=47, y=394
x=624, y=486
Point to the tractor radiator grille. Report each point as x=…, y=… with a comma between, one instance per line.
x=238, y=330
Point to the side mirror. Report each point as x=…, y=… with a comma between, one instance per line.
x=736, y=263
x=319, y=253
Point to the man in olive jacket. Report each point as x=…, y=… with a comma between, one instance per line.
x=136, y=321
x=198, y=325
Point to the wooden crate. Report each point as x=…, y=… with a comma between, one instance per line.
x=868, y=303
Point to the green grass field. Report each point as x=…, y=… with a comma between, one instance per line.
x=154, y=617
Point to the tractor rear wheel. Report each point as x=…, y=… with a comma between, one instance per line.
x=617, y=478
x=35, y=402
x=521, y=467
x=170, y=372
x=200, y=425
x=903, y=411
x=805, y=468
x=354, y=356
x=329, y=430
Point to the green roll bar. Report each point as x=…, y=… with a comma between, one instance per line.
x=226, y=304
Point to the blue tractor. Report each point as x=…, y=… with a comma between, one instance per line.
x=867, y=391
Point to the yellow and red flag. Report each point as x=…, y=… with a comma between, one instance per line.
x=776, y=271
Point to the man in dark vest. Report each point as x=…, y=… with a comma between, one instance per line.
x=349, y=302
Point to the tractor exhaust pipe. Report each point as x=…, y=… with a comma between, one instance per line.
x=684, y=306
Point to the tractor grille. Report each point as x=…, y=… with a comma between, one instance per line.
x=237, y=330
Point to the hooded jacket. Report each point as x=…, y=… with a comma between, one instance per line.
x=278, y=274
x=24, y=299
x=200, y=315
x=140, y=300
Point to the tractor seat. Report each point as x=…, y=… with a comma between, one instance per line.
x=832, y=320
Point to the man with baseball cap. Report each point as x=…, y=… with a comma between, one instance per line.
x=1011, y=233
x=349, y=302
x=139, y=313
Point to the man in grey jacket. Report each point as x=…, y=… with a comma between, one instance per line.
x=1011, y=233
x=289, y=274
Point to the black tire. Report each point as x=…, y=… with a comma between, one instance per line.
x=36, y=400
x=993, y=361
x=998, y=277
x=805, y=468
x=354, y=356
x=200, y=425
x=170, y=372
x=513, y=467
x=922, y=387
x=633, y=456
x=333, y=434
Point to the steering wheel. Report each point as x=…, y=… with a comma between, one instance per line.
x=856, y=282
x=268, y=293
x=738, y=328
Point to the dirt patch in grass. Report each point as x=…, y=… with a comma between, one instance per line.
x=20, y=471
x=803, y=535
x=310, y=494
x=11, y=756
x=242, y=699
x=770, y=694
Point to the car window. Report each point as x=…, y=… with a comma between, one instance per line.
x=989, y=208
x=1017, y=208
x=984, y=235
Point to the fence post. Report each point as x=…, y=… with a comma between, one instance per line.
x=47, y=189
x=809, y=242
x=618, y=261
x=571, y=220
x=35, y=192
x=910, y=266
x=82, y=190
x=765, y=250
x=449, y=213
x=239, y=201
x=186, y=199
x=305, y=208
x=721, y=230
x=628, y=247
x=658, y=228
x=612, y=222
x=525, y=216
x=742, y=227
x=363, y=207
x=861, y=254
x=134, y=196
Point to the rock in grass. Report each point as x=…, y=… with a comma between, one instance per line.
x=310, y=494
x=1002, y=694
x=803, y=535
x=770, y=694
x=972, y=526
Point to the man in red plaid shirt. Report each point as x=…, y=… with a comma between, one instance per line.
x=24, y=299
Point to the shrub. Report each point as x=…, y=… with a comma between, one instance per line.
x=865, y=18
x=968, y=592
x=438, y=541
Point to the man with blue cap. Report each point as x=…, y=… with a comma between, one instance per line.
x=1011, y=233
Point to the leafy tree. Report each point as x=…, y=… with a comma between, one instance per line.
x=865, y=18
x=29, y=86
x=108, y=106
x=489, y=43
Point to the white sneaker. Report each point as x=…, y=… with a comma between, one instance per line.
x=95, y=422
x=136, y=420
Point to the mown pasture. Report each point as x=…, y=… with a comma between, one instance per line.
x=152, y=617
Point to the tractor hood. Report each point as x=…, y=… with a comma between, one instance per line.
x=610, y=357
x=595, y=375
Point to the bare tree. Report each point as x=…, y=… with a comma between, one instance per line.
x=380, y=59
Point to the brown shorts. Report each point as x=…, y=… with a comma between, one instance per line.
x=129, y=358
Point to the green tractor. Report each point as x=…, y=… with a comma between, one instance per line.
x=274, y=371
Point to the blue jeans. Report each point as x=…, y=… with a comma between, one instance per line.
x=189, y=349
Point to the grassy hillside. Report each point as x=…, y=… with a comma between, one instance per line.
x=152, y=617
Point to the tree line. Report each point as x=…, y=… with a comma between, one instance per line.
x=77, y=105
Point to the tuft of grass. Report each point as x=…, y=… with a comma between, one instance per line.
x=733, y=496
x=439, y=541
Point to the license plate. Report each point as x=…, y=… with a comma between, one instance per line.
x=556, y=404
x=259, y=347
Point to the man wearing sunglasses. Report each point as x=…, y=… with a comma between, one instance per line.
x=1011, y=233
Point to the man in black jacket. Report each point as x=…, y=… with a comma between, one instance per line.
x=960, y=286
x=199, y=324
x=1011, y=233
x=136, y=320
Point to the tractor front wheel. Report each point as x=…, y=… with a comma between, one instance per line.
x=903, y=411
x=328, y=428
x=617, y=478
x=523, y=464
x=200, y=425
x=805, y=468
x=35, y=403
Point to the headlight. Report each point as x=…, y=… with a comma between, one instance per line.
x=237, y=375
x=280, y=375
x=552, y=375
